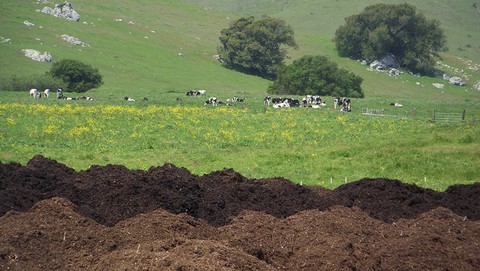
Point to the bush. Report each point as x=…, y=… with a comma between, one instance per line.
x=78, y=76
x=316, y=75
x=25, y=83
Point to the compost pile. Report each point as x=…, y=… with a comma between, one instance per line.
x=112, y=218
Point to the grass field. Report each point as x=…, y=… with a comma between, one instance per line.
x=138, y=57
x=303, y=145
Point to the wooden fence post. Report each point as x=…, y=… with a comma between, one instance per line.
x=463, y=115
x=414, y=113
x=433, y=117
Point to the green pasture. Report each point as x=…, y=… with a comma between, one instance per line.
x=136, y=44
x=310, y=146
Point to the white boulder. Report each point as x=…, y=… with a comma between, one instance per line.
x=37, y=56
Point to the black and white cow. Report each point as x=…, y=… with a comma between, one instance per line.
x=212, y=100
x=34, y=93
x=196, y=93
x=129, y=99
x=266, y=101
x=59, y=93
x=346, y=104
x=396, y=104
x=46, y=92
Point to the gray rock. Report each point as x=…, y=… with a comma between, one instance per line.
x=37, y=56
x=394, y=72
x=457, y=81
x=73, y=40
x=477, y=86
x=447, y=76
x=64, y=10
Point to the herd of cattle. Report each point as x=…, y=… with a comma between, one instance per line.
x=34, y=93
x=310, y=101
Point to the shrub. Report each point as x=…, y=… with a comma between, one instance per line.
x=79, y=77
x=25, y=83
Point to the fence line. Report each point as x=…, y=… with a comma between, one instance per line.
x=433, y=115
x=442, y=117
x=379, y=113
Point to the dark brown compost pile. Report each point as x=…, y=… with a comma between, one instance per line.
x=113, y=218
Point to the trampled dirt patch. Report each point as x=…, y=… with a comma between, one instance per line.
x=113, y=218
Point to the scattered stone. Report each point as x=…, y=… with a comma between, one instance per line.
x=37, y=56
x=73, y=40
x=438, y=85
x=27, y=23
x=477, y=86
x=4, y=40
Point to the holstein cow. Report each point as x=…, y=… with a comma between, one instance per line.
x=47, y=92
x=196, y=93
x=212, y=100
x=59, y=93
x=34, y=93
x=129, y=99
x=266, y=101
x=396, y=104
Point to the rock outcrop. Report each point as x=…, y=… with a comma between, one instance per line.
x=37, y=56
x=74, y=41
x=64, y=10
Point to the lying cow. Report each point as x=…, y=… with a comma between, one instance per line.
x=212, y=100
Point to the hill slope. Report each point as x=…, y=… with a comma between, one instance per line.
x=136, y=45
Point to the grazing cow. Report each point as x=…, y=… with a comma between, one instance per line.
x=129, y=99
x=212, y=100
x=346, y=105
x=46, y=92
x=344, y=102
x=59, y=93
x=145, y=99
x=178, y=99
x=396, y=104
x=34, y=93
x=201, y=92
x=266, y=101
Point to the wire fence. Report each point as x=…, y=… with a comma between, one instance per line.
x=433, y=115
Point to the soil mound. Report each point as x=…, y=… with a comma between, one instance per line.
x=165, y=218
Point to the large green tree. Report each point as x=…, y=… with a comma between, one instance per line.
x=256, y=46
x=78, y=76
x=316, y=75
x=398, y=30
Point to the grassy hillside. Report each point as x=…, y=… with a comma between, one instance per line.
x=135, y=45
x=459, y=18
